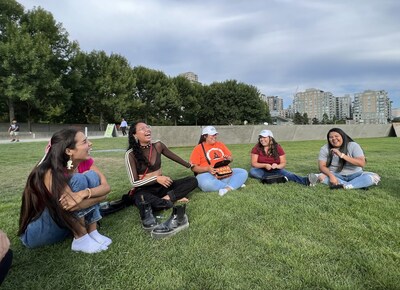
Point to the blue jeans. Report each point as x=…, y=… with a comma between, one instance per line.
x=81, y=181
x=45, y=231
x=208, y=182
x=356, y=180
x=260, y=173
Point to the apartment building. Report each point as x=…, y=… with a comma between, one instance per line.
x=343, y=107
x=190, y=76
x=315, y=103
x=372, y=107
x=275, y=103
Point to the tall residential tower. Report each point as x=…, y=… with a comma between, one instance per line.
x=315, y=103
x=372, y=107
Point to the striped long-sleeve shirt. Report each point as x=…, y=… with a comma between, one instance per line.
x=134, y=169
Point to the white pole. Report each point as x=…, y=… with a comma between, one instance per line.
x=86, y=131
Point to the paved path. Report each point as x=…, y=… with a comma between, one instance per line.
x=25, y=140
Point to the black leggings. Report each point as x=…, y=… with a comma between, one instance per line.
x=5, y=265
x=153, y=193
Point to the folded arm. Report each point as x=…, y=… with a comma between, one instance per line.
x=72, y=201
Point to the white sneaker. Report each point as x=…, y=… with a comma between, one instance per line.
x=222, y=191
x=313, y=179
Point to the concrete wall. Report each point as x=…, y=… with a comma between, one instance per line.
x=46, y=130
x=48, y=127
x=189, y=136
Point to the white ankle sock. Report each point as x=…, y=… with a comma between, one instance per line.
x=95, y=235
x=87, y=245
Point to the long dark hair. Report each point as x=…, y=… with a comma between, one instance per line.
x=272, y=150
x=135, y=146
x=202, y=138
x=36, y=197
x=343, y=148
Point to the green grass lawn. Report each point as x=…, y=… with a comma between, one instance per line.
x=283, y=236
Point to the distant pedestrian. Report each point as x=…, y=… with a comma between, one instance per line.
x=14, y=131
x=123, y=126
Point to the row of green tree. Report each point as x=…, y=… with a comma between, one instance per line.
x=303, y=120
x=45, y=77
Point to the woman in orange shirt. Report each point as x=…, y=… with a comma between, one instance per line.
x=205, y=155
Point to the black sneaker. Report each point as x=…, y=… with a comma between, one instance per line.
x=12, y=140
x=337, y=186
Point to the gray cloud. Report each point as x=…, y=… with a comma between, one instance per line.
x=279, y=46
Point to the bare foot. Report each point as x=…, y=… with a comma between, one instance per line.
x=184, y=199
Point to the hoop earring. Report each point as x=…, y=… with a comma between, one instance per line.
x=69, y=163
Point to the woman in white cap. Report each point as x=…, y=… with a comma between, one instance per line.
x=268, y=158
x=205, y=155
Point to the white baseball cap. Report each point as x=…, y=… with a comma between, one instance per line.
x=209, y=130
x=266, y=133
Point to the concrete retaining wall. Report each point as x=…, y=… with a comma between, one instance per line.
x=46, y=130
x=189, y=136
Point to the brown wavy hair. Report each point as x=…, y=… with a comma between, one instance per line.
x=272, y=150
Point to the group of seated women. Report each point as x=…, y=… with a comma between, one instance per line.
x=62, y=195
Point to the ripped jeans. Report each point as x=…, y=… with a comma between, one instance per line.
x=361, y=179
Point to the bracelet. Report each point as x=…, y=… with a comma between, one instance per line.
x=342, y=155
x=90, y=192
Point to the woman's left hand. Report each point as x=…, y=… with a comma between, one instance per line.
x=164, y=181
x=336, y=152
x=274, y=166
x=71, y=199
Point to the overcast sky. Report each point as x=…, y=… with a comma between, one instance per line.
x=281, y=47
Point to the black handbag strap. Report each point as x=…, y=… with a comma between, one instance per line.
x=205, y=154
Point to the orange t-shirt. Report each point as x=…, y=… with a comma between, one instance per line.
x=215, y=153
